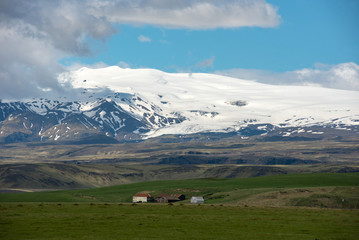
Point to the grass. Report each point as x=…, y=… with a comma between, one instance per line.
x=149, y=221
x=214, y=190
x=99, y=214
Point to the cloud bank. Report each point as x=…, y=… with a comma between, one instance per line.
x=191, y=14
x=35, y=35
x=342, y=76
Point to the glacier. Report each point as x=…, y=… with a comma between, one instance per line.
x=206, y=100
x=145, y=103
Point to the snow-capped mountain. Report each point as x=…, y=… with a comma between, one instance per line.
x=121, y=116
x=132, y=104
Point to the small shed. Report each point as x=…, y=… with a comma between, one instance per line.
x=142, y=197
x=197, y=199
x=164, y=198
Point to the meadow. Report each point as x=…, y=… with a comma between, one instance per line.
x=293, y=206
x=312, y=190
x=163, y=221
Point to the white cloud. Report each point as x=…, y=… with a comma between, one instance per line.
x=35, y=35
x=64, y=23
x=341, y=76
x=190, y=14
x=123, y=64
x=142, y=38
x=28, y=62
x=205, y=63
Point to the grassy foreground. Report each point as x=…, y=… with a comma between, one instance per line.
x=234, y=209
x=146, y=221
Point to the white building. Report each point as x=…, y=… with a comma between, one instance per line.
x=195, y=199
x=142, y=197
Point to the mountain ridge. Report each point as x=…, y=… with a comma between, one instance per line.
x=136, y=104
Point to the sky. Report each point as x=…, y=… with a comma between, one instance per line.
x=283, y=42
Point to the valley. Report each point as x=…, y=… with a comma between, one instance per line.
x=39, y=166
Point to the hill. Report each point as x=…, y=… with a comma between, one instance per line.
x=33, y=166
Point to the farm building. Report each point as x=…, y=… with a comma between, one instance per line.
x=164, y=198
x=142, y=197
x=195, y=199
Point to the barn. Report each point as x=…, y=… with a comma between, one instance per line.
x=197, y=199
x=168, y=198
x=142, y=197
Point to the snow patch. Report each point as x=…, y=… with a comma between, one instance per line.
x=102, y=114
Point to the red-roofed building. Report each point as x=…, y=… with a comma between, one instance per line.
x=142, y=197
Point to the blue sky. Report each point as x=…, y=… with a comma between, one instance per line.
x=290, y=42
x=310, y=32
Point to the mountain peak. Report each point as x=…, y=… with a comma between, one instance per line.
x=147, y=103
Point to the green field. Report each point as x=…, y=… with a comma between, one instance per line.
x=162, y=221
x=313, y=190
x=299, y=206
